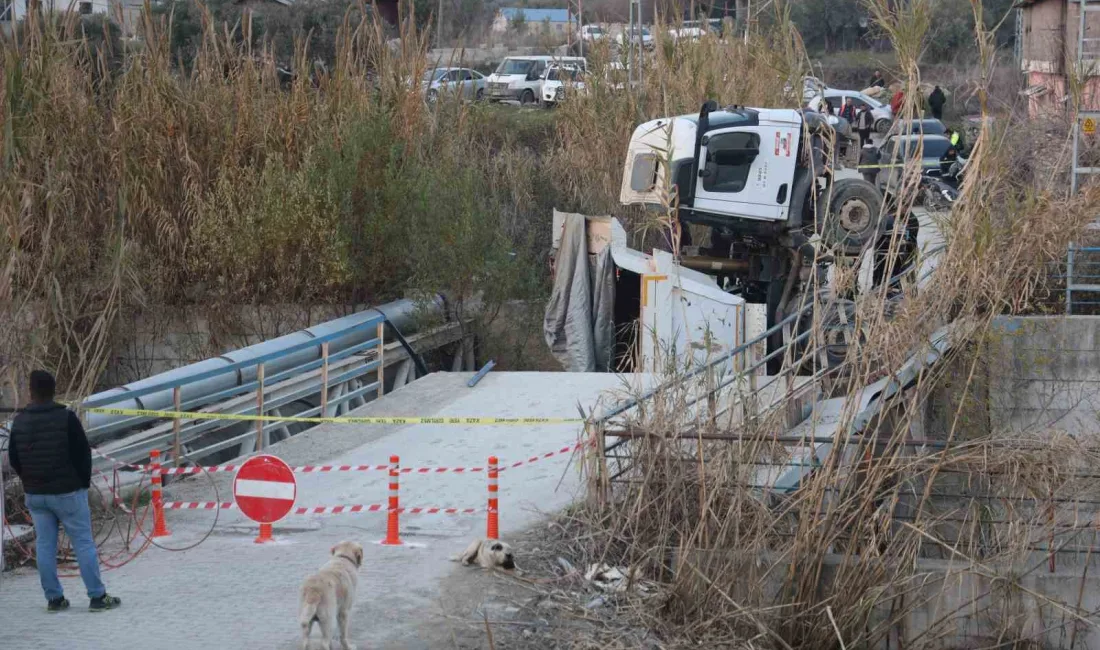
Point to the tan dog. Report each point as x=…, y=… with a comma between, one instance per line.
x=327, y=596
x=488, y=554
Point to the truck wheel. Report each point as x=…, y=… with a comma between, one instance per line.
x=527, y=98
x=855, y=215
x=837, y=322
x=838, y=329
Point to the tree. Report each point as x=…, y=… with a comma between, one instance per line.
x=830, y=25
x=519, y=22
x=275, y=24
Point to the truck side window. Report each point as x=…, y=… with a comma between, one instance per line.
x=643, y=176
x=729, y=159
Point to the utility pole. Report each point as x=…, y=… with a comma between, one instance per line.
x=635, y=48
x=439, y=26
x=640, y=45
x=629, y=45
x=580, y=23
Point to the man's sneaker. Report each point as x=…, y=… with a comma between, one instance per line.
x=57, y=605
x=103, y=603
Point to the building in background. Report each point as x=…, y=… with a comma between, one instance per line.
x=126, y=12
x=1051, y=34
x=15, y=10
x=559, y=20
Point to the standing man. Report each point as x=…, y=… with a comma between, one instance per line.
x=877, y=81
x=50, y=453
x=865, y=122
x=848, y=111
x=936, y=100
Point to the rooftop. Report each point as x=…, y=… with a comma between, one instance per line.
x=536, y=15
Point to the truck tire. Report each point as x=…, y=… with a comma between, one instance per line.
x=839, y=333
x=836, y=321
x=855, y=216
x=527, y=98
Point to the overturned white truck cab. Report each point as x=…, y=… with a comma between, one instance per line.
x=763, y=217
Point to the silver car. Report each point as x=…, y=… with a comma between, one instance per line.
x=881, y=112
x=469, y=84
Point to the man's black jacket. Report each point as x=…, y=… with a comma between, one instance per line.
x=49, y=451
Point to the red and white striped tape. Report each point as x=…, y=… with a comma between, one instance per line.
x=327, y=510
x=121, y=465
x=197, y=505
x=307, y=469
x=534, y=459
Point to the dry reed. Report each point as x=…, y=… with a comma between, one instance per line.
x=847, y=559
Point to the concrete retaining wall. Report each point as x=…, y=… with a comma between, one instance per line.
x=935, y=605
x=1044, y=373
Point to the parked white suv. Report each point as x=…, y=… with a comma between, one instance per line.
x=641, y=36
x=556, y=80
x=520, y=77
x=592, y=33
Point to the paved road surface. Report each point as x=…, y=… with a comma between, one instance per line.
x=231, y=593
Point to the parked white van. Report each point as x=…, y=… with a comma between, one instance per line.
x=520, y=77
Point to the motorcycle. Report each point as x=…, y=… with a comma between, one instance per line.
x=939, y=190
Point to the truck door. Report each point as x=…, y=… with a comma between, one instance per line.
x=747, y=172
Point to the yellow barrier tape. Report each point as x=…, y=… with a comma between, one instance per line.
x=192, y=415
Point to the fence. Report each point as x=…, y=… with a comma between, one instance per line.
x=1083, y=277
x=393, y=507
x=735, y=386
x=251, y=376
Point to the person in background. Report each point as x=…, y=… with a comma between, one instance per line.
x=954, y=137
x=864, y=122
x=868, y=163
x=947, y=159
x=897, y=101
x=877, y=80
x=936, y=100
x=50, y=453
x=829, y=110
x=848, y=111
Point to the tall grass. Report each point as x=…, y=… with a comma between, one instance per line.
x=841, y=561
x=149, y=185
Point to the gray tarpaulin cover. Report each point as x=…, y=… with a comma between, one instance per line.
x=580, y=318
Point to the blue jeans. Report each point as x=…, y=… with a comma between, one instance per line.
x=71, y=511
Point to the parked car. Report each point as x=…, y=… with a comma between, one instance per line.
x=520, y=77
x=691, y=30
x=592, y=33
x=644, y=37
x=469, y=84
x=929, y=126
x=560, y=79
x=900, y=149
x=881, y=112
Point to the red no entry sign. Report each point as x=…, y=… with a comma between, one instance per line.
x=265, y=489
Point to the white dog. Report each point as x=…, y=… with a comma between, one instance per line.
x=327, y=596
x=487, y=553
